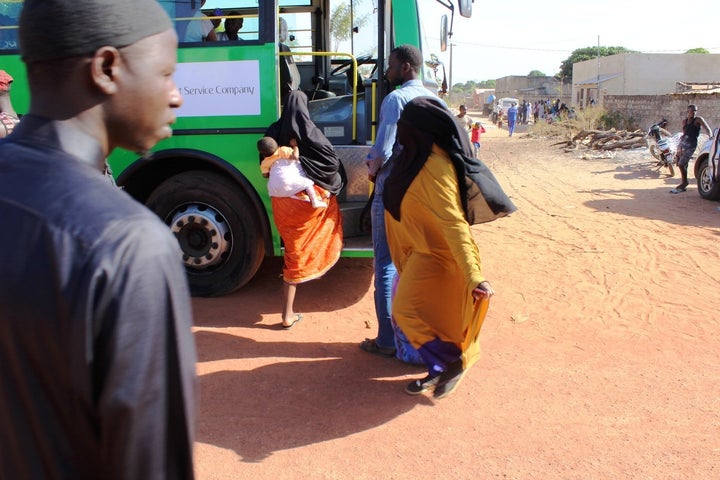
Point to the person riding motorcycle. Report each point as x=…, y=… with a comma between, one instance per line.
x=662, y=145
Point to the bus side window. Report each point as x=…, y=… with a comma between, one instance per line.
x=8, y=33
x=180, y=11
x=289, y=73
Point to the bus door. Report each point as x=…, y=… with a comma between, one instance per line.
x=333, y=44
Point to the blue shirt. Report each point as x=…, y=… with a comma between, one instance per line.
x=390, y=111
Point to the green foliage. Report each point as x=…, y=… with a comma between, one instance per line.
x=469, y=86
x=458, y=87
x=536, y=73
x=617, y=121
x=588, y=53
x=698, y=50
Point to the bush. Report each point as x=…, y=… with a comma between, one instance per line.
x=593, y=118
x=617, y=121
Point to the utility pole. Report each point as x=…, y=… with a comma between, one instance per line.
x=451, y=66
x=597, y=100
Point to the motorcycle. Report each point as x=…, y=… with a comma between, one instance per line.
x=662, y=146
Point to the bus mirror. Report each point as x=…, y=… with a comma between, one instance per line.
x=465, y=8
x=443, y=33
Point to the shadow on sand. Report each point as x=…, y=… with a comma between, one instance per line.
x=333, y=392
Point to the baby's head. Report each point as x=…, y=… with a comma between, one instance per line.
x=476, y=125
x=267, y=146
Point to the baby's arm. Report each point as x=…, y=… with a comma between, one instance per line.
x=296, y=153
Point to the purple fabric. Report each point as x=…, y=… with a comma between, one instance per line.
x=404, y=351
x=438, y=354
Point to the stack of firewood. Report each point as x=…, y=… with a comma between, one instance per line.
x=604, y=140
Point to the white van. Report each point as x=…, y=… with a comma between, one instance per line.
x=505, y=103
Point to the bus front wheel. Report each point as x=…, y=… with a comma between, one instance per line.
x=216, y=226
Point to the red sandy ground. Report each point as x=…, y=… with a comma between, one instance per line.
x=600, y=349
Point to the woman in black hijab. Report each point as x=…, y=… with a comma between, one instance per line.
x=317, y=155
x=435, y=190
x=312, y=236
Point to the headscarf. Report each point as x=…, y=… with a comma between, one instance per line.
x=317, y=155
x=5, y=81
x=53, y=29
x=426, y=121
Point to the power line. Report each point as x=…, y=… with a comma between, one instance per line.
x=507, y=47
x=558, y=50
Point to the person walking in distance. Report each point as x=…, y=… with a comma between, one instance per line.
x=403, y=71
x=464, y=119
x=477, y=130
x=512, y=115
x=97, y=353
x=691, y=126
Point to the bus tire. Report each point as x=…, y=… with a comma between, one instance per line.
x=216, y=226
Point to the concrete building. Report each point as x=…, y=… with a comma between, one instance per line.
x=533, y=88
x=630, y=74
x=481, y=98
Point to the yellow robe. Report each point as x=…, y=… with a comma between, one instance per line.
x=438, y=262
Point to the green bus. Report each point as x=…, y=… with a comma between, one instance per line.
x=205, y=181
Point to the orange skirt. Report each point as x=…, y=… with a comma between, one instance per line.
x=312, y=236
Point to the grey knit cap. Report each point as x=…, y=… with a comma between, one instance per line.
x=52, y=29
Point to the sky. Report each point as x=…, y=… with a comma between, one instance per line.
x=514, y=37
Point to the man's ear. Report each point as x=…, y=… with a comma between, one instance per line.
x=105, y=66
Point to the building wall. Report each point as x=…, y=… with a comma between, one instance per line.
x=532, y=88
x=645, y=73
x=645, y=110
x=479, y=97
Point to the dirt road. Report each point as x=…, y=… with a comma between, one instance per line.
x=600, y=351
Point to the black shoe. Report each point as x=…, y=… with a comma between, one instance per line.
x=449, y=380
x=370, y=345
x=416, y=387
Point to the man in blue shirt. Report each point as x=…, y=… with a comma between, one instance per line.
x=403, y=71
x=512, y=115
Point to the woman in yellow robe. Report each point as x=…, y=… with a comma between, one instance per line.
x=442, y=295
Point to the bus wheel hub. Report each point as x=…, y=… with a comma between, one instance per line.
x=203, y=235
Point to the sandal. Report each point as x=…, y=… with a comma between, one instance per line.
x=369, y=345
x=298, y=317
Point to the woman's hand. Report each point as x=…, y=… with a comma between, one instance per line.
x=484, y=289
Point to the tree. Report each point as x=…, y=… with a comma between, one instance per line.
x=698, y=50
x=536, y=73
x=588, y=53
x=341, y=24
